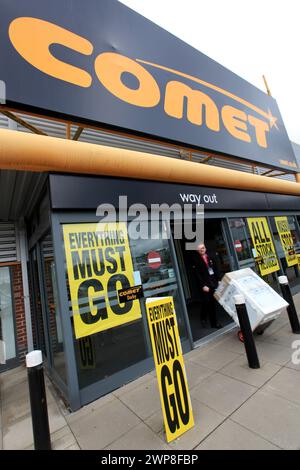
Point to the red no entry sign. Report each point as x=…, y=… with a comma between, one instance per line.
x=154, y=259
x=238, y=246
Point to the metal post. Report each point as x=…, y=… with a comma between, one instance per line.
x=291, y=310
x=245, y=326
x=38, y=401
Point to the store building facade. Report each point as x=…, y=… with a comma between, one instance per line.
x=61, y=267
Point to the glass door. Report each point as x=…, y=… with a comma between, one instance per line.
x=217, y=249
x=8, y=350
x=40, y=331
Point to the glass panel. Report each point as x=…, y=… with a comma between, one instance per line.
x=107, y=352
x=158, y=281
x=244, y=249
x=292, y=272
x=242, y=242
x=7, y=329
x=54, y=320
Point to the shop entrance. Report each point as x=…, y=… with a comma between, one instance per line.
x=217, y=248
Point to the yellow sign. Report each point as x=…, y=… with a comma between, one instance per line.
x=99, y=264
x=286, y=239
x=171, y=376
x=265, y=254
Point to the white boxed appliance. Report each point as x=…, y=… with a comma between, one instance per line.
x=263, y=303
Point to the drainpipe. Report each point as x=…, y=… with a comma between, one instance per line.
x=23, y=256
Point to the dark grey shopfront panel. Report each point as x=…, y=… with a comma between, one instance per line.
x=86, y=193
x=283, y=202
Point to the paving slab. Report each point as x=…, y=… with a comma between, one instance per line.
x=274, y=353
x=271, y=417
x=284, y=337
x=141, y=437
x=73, y=447
x=98, y=429
x=143, y=400
x=206, y=420
x=12, y=378
x=285, y=384
x=222, y=393
x=61, y=440
x=196, y=373
x=18, y=436
x=291, y=365
x=17, y=431
x=214, y=358
x=232, y=436
x=89, y=409
x=132, y=385
x=240, y=370
x=233, y=344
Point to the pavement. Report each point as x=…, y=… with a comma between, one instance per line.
x=234, y=407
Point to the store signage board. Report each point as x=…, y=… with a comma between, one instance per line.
x=100, y=62
x=169, y=364
x=266, y=257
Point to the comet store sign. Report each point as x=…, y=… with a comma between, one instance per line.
x=262, y=240
x=286, y=240
x=170, y=370
x=99, y=264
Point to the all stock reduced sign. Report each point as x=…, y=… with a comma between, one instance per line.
x=100, y=62
x=99, y=264
x=168, y=358
x=265, y=252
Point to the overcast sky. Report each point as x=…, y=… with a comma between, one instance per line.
x=251, y=38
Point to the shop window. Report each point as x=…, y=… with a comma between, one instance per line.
x=246, y=251
x=110, y=335
x=242, y=242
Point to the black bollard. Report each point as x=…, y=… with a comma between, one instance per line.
x=291, y=309
x=38, y=401
x=246, y=330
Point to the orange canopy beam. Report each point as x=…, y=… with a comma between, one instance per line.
x=28, y=152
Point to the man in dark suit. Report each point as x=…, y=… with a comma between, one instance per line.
x=208, y=276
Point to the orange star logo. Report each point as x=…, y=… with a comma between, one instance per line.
x=273, y=120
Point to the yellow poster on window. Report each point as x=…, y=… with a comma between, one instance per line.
x=286, y=240
x=99, y=264
x=264, y=250
x=170, y=370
